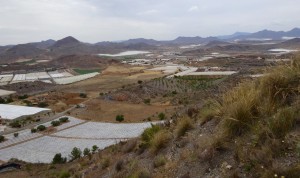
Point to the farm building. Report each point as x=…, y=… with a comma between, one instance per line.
x=9, y=113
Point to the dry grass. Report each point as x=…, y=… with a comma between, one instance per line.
x=160, y=140
x=183, y=126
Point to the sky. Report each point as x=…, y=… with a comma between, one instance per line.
x=23, y=21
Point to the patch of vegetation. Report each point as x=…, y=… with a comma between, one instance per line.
x=159, y=161
x=2, y=138
x=75, y=153
x=63, y=119
x=58, y=159
x=86, y=71
x=16, y=134
x=162, y=116
x=183, y=126
x=42, y=104
x=120, y=118
x=41, y=128
x=55, y=123
x=160, y=140
x=83, y=95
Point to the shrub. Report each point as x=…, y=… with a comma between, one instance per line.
x=64, y=174
x=183, y=126
x=83, y=95
x=162, y=116
x=22, y=97
x=58, y=159
x=41, y=128
x=120, y=118
x=149, y=133
x=210, y=109
x=160, y=140
x=86, y=152
x=33, y=130
x=95, y=148
x=140, y=82
x=42, y=104
x=55, y=123
x=63, y=119
x=147, y=101
x=16, y=134
x=105, y=163
x=15, y=124
x=240, y=107
x=283, y=122
x=75, y=153
x=2, y=138
x=159, y=161
x=119, y=165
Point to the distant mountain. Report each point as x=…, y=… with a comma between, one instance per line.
x=44, y=44
x=236, y=34
x=68, y=41
x=217, y=43
x=192, y=40
x=26, y=51
x=269, y=35
x=141, y=41
x=293, y=43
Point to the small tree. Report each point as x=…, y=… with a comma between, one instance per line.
x=76, y=153
x=162, y=116
x=16, y=134
x=63, y=119
x=41, y=128
x=82, y=95
x=33, y=130
x=2, y=138
x=86, y=152
x=55, y=123
x=140, y=82
x=58, y=159
x=95, y=148
x=119, y=118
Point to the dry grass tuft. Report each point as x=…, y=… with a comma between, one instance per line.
x=183, y=126
x=160, y=140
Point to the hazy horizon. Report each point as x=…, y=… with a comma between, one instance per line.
x=116, y=20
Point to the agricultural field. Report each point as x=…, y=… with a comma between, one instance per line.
x=40, y=148
x=73, y=79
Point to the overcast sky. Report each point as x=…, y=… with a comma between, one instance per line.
x=107, y=20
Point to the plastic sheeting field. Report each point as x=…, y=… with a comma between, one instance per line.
x=76, y=133
x=73, y=79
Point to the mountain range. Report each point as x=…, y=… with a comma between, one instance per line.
x=70, y=46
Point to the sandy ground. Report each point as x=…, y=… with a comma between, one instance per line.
x=106, y=111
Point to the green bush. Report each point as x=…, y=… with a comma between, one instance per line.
x=58, y=159
x=16, y=134
x=33, y=130
x=95, y=148
x=75, y=153
x=120, y=118
x=42, y=104
x=55, y=123
x=15, y=124
x=162, y=116
x=41, y=128
x=64, y=174
x=149, y=133
x=83, y=95
x=64, y=119
x=2, y=138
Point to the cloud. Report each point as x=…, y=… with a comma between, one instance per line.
x=193, y=8
x=93, y=20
